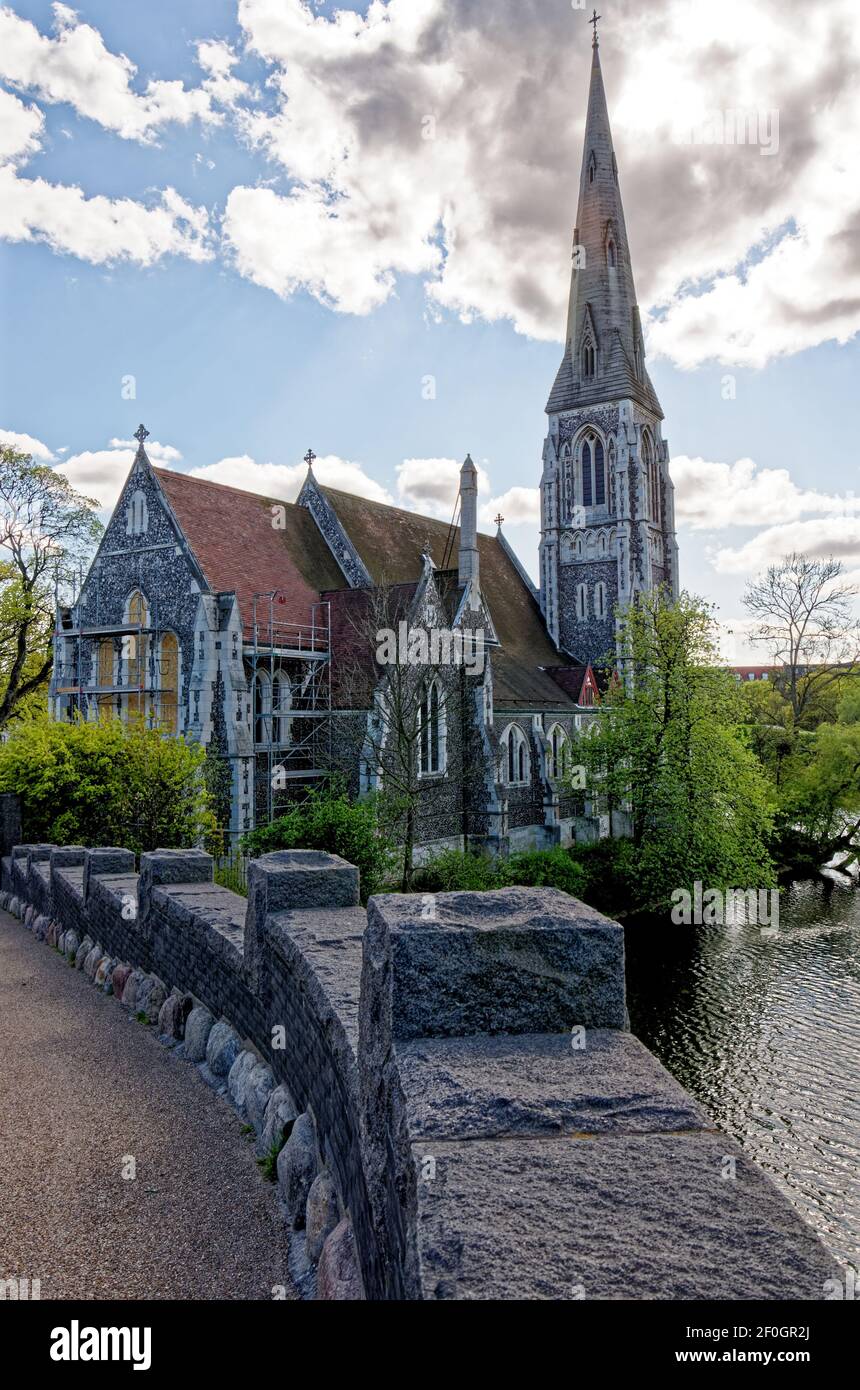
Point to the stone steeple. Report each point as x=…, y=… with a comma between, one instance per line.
x=468, y=556
x=604, y=357
x=607, y=506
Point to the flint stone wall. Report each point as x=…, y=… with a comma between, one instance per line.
x=485, y=1125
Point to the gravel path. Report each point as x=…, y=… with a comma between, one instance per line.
x=82, y=1086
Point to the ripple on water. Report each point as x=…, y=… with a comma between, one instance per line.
x=765, y=1031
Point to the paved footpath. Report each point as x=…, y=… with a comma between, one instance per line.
x=82, y=1086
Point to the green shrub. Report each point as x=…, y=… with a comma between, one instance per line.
x=547, y=868
x=105, y=784
x=455, y=871
x=612, y=875
x=328, y=820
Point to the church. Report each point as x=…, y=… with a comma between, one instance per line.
x=245, y=623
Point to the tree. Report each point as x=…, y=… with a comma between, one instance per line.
x=45, y=529
x=328, y=820
x=106, y=783
x=413, y=690
x=803, y=612
x=668, y=744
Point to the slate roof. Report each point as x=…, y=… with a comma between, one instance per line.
x=616, y=380
x=239, y=550
x=391, y=541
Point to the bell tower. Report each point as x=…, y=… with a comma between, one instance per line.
x=607, y=501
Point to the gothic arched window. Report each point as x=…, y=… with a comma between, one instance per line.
x=262, y=708
x=611, y=479
x=652, y=477
x=135, y=655
x=137, y=516
x=431, y=731
x=282, y=699
x=105, y=678
x=592, y=167
x=600, y=600
x=582, y=602
x=589, y=358
x=599, y=475
x=515, y=756
x=557, y=760
x=593, y=471
x=168, y=683
x=610, y=255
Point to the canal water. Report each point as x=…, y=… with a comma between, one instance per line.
x=765, y=1031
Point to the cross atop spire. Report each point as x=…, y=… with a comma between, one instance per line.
x=595, y=42
x=141, y=433
x=309, y=458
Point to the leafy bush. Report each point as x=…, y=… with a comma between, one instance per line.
x=106, y=784
x=328, y=820
x=547, y=868
x=456, y=871
x=611, y=875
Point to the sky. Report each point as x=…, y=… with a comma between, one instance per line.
x=263, y=226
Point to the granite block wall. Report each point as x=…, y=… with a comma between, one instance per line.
x=456, y=1107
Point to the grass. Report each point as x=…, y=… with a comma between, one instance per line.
x=269, y=1165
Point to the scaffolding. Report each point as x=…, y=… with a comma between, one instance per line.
x=144, y=655
x=291, y=697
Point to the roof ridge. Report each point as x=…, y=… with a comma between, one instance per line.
x=392, y=507
x=225, y=487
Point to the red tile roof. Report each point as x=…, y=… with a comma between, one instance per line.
x=238, y=548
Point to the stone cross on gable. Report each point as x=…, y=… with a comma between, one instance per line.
x=309, y=458
x=141, y=433
x=498, y=520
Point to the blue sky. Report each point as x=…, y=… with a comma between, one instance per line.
x=256, y=324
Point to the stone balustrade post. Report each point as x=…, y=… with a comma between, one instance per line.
x=291, y=880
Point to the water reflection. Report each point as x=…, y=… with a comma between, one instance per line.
x=765, y=1030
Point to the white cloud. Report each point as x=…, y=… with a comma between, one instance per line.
x=100, y=230
x=820, y=537
x=285, y=480
x=76, y=67
x=484, y=208
x=414, y=141
x=20, y=128
x=101, y=473
x=711, y=496
x=431, y=485
x=340, y=254
x=218, y=59
x=26, y=444
x=519, y=506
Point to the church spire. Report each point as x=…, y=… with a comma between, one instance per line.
x=604, y=351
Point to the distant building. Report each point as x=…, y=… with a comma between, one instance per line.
x=755, y=673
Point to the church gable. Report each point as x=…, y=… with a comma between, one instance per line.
x=142, y=518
